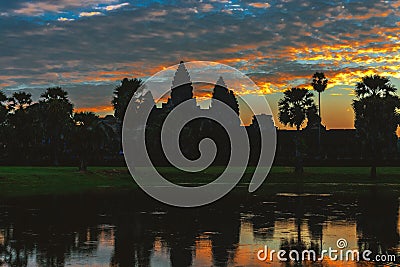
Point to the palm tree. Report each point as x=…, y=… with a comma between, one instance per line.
x=293, y=110
x=58, y=109
x=319, y=83
x=376, y=118
x=20, y=100
x=20, y=122
x=123, y=94
x=89, y=137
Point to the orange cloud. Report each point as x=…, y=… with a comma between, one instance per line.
x=64, y=19
x=90, y=14
x=371, y=13
x=114, y=7
x=260, y=5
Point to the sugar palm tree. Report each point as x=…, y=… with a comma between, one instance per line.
x=19, y=101
x=376, y=116
x=293, y=110
x=20, y=128
x=319, y=83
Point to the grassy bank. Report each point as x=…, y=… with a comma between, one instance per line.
x=16, y=181
x=23, y=181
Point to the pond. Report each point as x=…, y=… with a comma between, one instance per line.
x=130, y=229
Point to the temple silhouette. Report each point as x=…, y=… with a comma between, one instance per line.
x=197, y=129
x=338, y=145
x=182, y=90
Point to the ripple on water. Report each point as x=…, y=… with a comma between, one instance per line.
x=158, y=213
x=302, y=195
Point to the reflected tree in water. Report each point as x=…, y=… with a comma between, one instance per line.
x=377, y=224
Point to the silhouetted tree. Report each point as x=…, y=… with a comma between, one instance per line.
x=20, y=124
x=39, y=131
x=89, y=137
x=3, y=101
x=377, y=227
x=19, y=100
x=58, y=120
x=3, y=117
x=123, y=94
x=375, y=116
x=319, y=84
x=293, y=110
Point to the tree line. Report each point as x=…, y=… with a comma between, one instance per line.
x=49, y=131
x=377, y=115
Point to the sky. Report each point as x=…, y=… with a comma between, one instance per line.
x=87, y=47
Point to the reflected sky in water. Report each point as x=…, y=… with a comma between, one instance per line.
x=94, y=230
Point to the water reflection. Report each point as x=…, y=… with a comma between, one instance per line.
x=132, y=230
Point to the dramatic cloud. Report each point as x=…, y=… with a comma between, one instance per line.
x=278, y=44
x=35, y=9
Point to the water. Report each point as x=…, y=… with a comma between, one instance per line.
x=129, y=229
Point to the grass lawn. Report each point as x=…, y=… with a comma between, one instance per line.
x=25, y=181
x=15, y=181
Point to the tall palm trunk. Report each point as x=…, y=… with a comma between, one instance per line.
x=319, y=125
x=319, y=104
